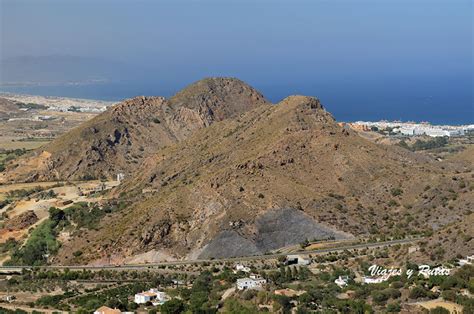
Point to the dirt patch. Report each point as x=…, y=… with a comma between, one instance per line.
x=21, y=221
x=453, y=308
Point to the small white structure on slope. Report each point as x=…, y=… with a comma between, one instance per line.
x=240, y=267
x=341, y=281
x=152, y=295
x=120, y=177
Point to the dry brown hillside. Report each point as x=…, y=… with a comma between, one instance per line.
x=117, y=140
x=8, y=109
x=271, y=177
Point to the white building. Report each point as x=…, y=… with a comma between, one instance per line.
x=242, y=268
x=341, y=281
x=253, y=282
x=120, y=177
x=152, y=295
x=407, y=131
x=468, y=261
x=297, y=259
x=422, y=128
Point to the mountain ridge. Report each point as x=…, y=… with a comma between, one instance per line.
x=217, y=171
x=117, y=140
x=205, y=196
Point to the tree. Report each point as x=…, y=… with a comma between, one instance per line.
x=439, y=310
x=379, y=297
x=449, y=295
x=283, y=302
x=233, y=306
x=417, y=292
x=303, y=273
x=304, y=244
x=174, y=306
x=55, y=215
x=197, y=301
x=394, y=307
x=249, y=294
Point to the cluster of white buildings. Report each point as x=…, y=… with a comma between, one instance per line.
x=60, y=103
x=429, y=131
x=416, y=129
x=154, y=296
x=88, y=109
x=254, y=281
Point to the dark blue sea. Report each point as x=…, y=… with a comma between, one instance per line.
x=422, y=100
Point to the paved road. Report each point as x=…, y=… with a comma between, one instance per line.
x=245, y=258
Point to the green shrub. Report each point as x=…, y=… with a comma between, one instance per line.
x=439, y=310
x=418, y=292
x=396, y=191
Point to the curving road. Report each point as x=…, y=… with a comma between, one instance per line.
x=188, y=262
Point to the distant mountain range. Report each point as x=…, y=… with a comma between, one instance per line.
x=57, y=70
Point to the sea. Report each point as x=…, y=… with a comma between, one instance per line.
x=447, y=105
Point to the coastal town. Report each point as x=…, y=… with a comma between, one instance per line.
x=59, y=104
x=399, y=128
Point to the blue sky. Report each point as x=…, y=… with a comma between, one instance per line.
x=376, y=56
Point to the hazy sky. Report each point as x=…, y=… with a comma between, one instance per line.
x=350, y=53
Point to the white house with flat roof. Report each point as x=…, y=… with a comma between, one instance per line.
x=153, y=295
x=252, y=282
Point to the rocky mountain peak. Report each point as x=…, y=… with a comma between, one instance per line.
x=219, y=97
x=303, y=101
x=133, y=105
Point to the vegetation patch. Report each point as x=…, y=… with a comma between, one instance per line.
x=437, y=142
